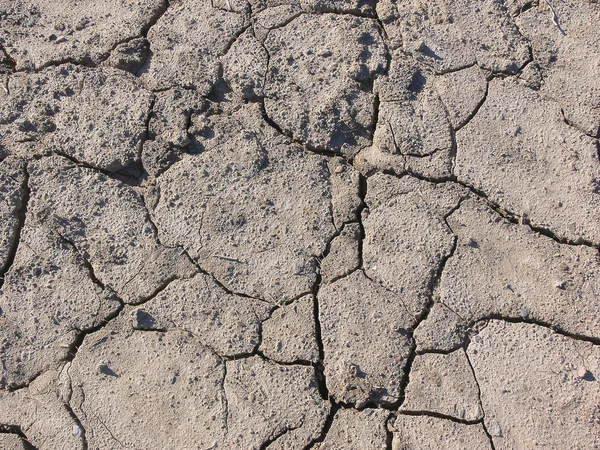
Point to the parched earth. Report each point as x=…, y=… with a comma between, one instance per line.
x=300, y=224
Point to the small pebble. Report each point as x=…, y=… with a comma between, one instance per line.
x=494, y=429
x=582, y=373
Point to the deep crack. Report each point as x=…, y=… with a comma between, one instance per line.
x=22, y=215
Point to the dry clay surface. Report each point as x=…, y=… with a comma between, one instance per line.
x=300, y=224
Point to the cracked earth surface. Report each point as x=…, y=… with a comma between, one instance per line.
x=300, y=224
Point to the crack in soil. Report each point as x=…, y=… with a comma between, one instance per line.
x=220, y=92
x=16, y=430
x=22, y=215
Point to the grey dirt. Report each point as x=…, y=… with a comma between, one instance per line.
x=300, y=224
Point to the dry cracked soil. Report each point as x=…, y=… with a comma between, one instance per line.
x=300, y=224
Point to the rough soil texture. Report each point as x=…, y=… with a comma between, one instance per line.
x=300, y=224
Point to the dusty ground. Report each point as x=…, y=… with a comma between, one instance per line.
x=296, y=224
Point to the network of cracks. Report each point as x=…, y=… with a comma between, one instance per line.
x=300, y=224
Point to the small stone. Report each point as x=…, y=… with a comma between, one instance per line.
x=583, y=373
x=419, y=46
x=494, y=429
x=104, y=369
